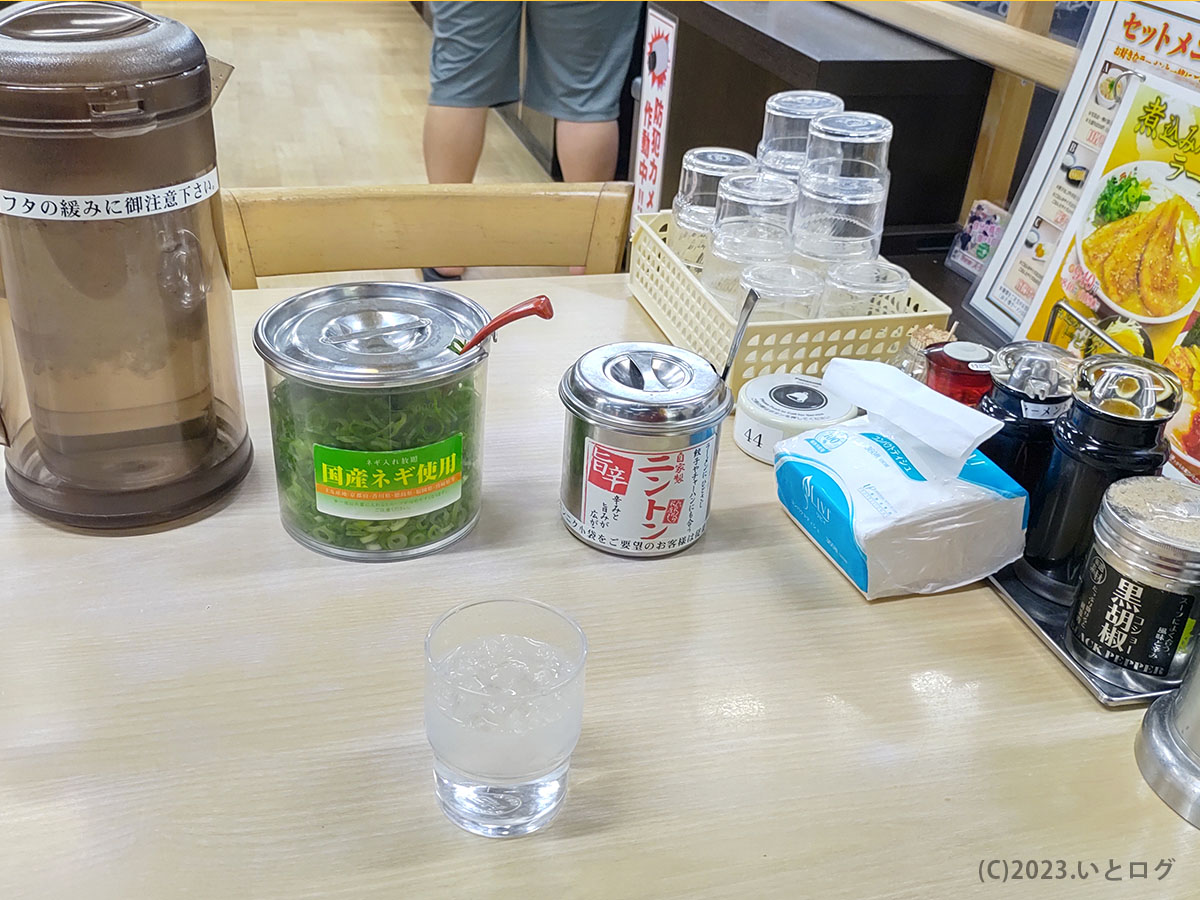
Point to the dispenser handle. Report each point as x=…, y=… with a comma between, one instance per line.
x=4, y=439
x=14, y=15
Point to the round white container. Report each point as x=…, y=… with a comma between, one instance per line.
x=771, y=408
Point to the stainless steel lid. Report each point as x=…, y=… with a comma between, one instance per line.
x=95, y=66
x=1153, y=514
x=1128, y=387
x=646, y=389
x=1036, y=369
x=371, y=334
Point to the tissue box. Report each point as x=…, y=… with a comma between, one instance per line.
x=891, y=523
x=901, y=500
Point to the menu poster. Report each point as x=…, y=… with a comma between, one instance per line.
x=1122, y=39
x=1129, y=257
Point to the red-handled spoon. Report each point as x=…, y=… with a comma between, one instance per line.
x=534, y=306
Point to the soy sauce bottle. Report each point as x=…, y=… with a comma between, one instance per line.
x=1114, y=429
x=1032, y=383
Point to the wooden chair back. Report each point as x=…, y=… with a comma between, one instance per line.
x=291, y=231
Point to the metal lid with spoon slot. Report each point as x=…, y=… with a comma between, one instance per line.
x=645, y=388
x=1036, y=370
x=371, y=334
x=1129, y=388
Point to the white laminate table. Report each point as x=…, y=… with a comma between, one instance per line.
x=213, y=711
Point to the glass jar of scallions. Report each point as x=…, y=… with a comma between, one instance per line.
x=376, y=420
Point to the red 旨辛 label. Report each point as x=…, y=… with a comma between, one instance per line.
x=639, y=502
x=609, y=470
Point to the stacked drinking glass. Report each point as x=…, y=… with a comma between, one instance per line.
x=789, y=115
x=843, y=190
x=801, y=224
x=695, y=207
x=753, y=224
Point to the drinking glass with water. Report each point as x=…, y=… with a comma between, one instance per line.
x=503, y=712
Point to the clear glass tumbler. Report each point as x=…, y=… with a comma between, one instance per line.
x=784, y=291
x=753, y=225
x=503, y=712
x=851, y=136
x=695, y=206
x=865, y=288
x=785, y=128
x=840, y=212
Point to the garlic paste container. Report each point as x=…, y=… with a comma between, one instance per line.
x=642, y=425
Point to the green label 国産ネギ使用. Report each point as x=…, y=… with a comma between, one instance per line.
x=393, y=484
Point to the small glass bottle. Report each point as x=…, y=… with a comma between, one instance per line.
x=961, y=370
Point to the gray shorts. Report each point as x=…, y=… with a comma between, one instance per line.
x=577, y=55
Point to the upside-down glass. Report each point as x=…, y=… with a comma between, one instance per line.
x=753, y=225
x=695, y=206
x=839, y=215
x=784, y=291
x=785, y=128
x=851, y=136
x=503, y=712
x=865, y=288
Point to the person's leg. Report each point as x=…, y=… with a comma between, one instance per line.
x=473, y=65
x=577, y=58
x=578, y=55
x=587, y=151
x=453, y=142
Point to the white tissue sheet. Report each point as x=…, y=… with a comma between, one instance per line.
x=900, y=499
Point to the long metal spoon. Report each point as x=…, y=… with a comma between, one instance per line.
x=740, y=332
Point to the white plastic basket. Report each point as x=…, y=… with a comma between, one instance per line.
x=691, y=318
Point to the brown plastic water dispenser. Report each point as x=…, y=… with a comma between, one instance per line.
x=120, y=401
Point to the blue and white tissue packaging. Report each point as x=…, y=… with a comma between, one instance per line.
x=901, y=499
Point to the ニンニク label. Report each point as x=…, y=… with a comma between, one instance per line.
x=100, y=207
x=644, y=503
x=390, y=484
x=1132, y=625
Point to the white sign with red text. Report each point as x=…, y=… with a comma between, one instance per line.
x=645, y=503
x=658, y=65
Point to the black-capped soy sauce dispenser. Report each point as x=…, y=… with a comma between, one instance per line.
x=1032, y=383
x=1114, y=429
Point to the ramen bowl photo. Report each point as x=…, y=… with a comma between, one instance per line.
x=1140, y=245
x=1109, y=90
x=1184, y=427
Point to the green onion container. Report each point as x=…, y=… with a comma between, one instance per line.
x=376, y=421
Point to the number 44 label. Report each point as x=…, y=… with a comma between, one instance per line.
x=757, y=440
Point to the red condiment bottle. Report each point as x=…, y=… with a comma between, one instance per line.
x=960, y=370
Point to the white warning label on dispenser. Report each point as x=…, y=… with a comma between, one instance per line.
x=97, y=207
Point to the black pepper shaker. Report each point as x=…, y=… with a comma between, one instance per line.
x=1031, y=388
x=1114, y=429
x=1128, y=625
